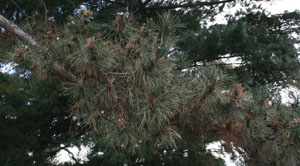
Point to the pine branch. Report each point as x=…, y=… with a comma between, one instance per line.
x=201, y=101
x=116, y=2
x=10, y=26
x=187, y=5
x=143, y=5
x=13, y=28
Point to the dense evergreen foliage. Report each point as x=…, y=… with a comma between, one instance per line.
x=144, y=82
x=34, y=121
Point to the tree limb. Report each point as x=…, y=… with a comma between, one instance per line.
x=13, y=28
x=116, y=2
x=187, y=5
x=143, y=5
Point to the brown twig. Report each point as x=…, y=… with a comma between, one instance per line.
x=45, y=11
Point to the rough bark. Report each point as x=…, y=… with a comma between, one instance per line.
x=13, y=28
x=23, y=36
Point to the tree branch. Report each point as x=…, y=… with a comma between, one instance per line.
x=45, y=11
x=196, y=4
x=18, y=7
x=13, y=28
x=71, y=155
x=143, y=5
x=116, y=2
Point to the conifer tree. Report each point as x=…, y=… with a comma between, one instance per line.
x=142, y=101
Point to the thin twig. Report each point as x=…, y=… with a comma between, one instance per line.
x=115, y=73
x=18, y=7
x=72, y=154
x=45, y=10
